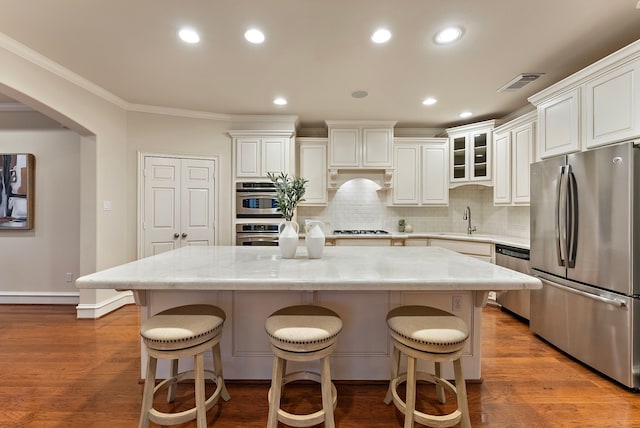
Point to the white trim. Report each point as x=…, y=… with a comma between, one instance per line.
x=14, y=107
x=96, y=310
x=39, y=297
x=169, y=111
x=261, y=133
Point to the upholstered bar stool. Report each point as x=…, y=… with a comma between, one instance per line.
x=302, y=333
x=430, y=334
x=184, y=331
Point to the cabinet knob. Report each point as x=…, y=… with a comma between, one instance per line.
x=176, y=235
x=184, y=235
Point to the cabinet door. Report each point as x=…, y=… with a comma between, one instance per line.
x=248, y=158
x=459, y=152
x=344, y=148
x=479, y=157
x=612, y=110
x=274, y=156
x=502, y=168
x=522, y=146
x=559, y=124
x=377, y=148
x=407, y=175
x=435, y=174
x=313, y=167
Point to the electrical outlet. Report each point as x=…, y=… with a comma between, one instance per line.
x=456, y=303
x=69, y=276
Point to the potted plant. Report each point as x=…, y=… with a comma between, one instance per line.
x=289, y=192
x=401, y=224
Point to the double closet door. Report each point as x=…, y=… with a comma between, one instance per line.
x=177, y=205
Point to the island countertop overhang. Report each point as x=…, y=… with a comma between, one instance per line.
x=340, y=268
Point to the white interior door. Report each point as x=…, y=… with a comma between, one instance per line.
x=178, y=203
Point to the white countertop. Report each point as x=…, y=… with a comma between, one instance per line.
x=479, y=237
x=341, y=268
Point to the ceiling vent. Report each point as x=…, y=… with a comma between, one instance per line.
x=519, y=81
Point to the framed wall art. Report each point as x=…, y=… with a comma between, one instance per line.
x=17, y=187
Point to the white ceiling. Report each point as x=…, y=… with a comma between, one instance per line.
x=317, y=52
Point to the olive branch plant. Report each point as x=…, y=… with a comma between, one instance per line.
x=289, y=192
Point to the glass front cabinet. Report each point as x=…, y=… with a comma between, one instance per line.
x=471, y=154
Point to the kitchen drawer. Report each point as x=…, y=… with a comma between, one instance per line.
x=364, y=242
x=484, y=249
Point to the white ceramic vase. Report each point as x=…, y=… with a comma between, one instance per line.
x=314, y=239
x=288, y=239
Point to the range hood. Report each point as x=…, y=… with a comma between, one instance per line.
x=382, y=177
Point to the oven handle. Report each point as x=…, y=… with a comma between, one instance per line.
x=614, y=302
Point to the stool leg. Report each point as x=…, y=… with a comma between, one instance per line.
x=395, y=369
x=201, y=409
x=276, y=392
x=327, y=397
x=171, y=391
x=217, y=363
x=439, y=388
x=147, y=395
x=461, y=394
x=411, y=392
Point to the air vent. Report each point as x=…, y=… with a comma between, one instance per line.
x=519, y=81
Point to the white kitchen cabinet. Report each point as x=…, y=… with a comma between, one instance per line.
x=612, y=106
x=478, y=249
x=360, y=144
x=513, y=145
x=421, y=171
x=559, y=120
x=312, y=161
x=260, y=152
x=470, y=154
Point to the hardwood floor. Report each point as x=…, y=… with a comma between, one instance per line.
x=57, y=371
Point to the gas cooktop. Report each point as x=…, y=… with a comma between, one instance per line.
x=360, y=232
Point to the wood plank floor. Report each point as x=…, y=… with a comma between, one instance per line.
x=57, y=371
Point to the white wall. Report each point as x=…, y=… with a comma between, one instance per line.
x=34, y=262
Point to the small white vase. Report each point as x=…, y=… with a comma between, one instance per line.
x=288, y=239
x=314, y=239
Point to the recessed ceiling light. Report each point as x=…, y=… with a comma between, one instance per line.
x=254, y=36
x=280, y=101
x=448, y=35
x=466, y=114
x=189, y=35
x=429, y=101
x=359, y=94
x=381, y=36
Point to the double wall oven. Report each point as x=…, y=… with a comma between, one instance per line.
x=257, y=216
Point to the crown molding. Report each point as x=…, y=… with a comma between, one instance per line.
x=170, y=111
x=14, y=107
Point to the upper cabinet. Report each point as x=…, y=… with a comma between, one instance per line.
x=470, y=153
x=312, y=165
x=259, y=152
x=513, y=147
x=360, y=144
x=421, y=171
x=598, y=105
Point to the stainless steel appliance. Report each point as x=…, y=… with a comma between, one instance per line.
x=256, y=200
x=516, y=301
x=257, y=234
x=584, y=247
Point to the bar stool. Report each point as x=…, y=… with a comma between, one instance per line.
x=430, y=334
x=184, y=331
x=302, y=333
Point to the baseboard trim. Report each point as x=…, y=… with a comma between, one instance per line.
x=99, y=309
x=39, y=298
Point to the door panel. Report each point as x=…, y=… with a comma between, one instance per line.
x=197, y=192
x=161, y=205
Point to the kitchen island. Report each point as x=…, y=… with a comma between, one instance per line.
x=359, y=283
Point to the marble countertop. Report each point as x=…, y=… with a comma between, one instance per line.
x=341, y=268
x=479, y=237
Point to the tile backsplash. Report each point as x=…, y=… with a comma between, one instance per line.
x=358, y=204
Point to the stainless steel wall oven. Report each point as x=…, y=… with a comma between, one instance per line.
x=256, y=200
x=257, y=234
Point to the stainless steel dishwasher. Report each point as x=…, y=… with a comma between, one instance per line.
x=516, y=301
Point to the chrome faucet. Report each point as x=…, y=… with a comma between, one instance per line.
x=467, y=216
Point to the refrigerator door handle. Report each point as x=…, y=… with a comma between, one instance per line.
x=614, y=302
x=561, y=226
x=572, y=218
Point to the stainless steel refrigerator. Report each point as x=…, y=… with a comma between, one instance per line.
x=585, y=248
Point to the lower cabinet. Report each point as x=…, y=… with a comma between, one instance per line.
x=477, y=249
